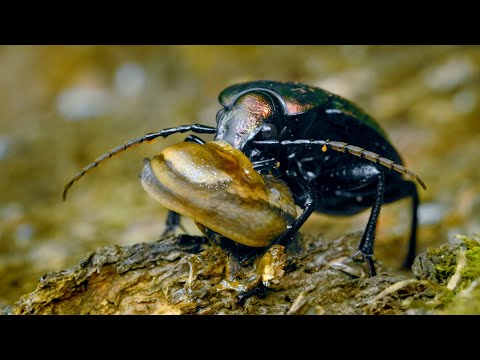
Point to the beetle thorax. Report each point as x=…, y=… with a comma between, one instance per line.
x=243, y=120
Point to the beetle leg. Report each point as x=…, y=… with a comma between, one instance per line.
x=398, y=191
x=366, y=244
x=308, y=207
x=266, y=166
x=172, y=223
x=194, y=139
x=412, y=243
x=260, y=290
x=261, y=164
x=309, y=200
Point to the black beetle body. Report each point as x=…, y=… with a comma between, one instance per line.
x=286, y=129
x=326, y=182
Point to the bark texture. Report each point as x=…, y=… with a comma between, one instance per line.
x=183, y=277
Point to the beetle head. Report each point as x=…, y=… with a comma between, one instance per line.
x=251, y=116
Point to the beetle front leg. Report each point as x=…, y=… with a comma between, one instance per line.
x=255, y=286
x=172, y=223
x=308, y=207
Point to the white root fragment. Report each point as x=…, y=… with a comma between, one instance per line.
x=461, y=262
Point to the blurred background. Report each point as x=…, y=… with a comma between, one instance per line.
x=63, y=106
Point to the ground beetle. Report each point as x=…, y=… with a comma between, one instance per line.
x=285, y=130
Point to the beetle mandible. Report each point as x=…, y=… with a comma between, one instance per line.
x=285, y=130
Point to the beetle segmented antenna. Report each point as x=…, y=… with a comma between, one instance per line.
x=197, y=128
x=354, y=150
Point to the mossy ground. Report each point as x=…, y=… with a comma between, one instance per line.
x=446, y=281
x=174, y=277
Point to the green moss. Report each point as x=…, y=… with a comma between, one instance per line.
x=466, y=302
x=469, y=248
x=466, y=299
x=445, y=263
x=455, y=270
x=467, y=293
x=472, y=271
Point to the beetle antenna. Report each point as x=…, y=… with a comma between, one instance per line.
x=197, y=128
x=354, y=150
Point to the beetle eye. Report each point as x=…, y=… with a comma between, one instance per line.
x=269, y=131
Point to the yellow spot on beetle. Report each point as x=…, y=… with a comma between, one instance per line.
x=324, y=148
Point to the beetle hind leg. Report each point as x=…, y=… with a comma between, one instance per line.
x=397, y=190
x=412, y=244
x=366, y=247
x=404, y=189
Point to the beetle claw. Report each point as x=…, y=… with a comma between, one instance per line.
x=360, y=256
x=260, y=290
